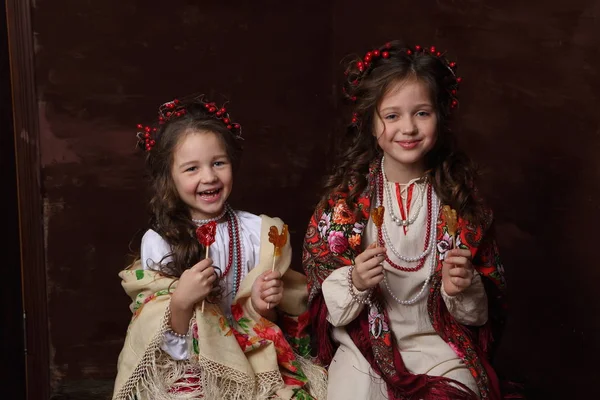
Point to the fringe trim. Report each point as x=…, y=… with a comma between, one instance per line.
x=316, y=376
x=172, y=380
x=221, y=382
x=140, y=376
x=158, y=377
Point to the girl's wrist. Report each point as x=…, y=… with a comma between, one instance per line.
x=353, y=279
x=178, y=305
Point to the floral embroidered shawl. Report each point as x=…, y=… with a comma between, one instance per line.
x=251, y=359
x=333, y=240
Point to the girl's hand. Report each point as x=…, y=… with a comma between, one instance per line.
x=457, y=271
x=368, y=271
x=194, y=285
x=267, y=292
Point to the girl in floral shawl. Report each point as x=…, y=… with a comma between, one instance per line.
x=211, y=317
x=406, y=290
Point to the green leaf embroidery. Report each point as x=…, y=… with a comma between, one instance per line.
x=301, y=345
x=299, y=373
x=139, y=274
x=243, y=322
x=301, y=394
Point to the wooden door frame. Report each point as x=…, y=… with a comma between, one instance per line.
x=29, y=192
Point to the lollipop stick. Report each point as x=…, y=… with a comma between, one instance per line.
x=205, y=256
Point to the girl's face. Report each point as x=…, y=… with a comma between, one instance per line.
x=406, y=129
x=202, y=173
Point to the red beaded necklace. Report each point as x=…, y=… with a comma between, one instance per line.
x=235, y=250
x=427, y=235
x=234, y=256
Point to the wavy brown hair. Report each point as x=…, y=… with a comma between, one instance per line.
x=170, y=216
x=451, y=172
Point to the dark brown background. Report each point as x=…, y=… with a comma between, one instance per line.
x=529, y=115
x=12, y=367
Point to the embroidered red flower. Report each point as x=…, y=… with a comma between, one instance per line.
x=285, y=353
x=237, y=311
x=291, y=381
x=242, y=340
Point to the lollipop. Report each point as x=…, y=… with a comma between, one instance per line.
x=206, y=236
x=377, y=216
x=279, y=240
x=451, y=221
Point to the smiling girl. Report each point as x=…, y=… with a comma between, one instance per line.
x=218, y=327
x=405, y=308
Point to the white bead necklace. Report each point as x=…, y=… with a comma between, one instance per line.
x=432, y=264
x=430, y=246
x=200, y=222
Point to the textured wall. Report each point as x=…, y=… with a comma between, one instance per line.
x=11, y=315
x=529, y=115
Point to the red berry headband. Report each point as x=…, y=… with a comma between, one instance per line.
x=357, y=71
x=177, y=108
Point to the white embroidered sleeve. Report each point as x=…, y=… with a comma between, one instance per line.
x=471, y=306
x=342, y=308
x=153, y=250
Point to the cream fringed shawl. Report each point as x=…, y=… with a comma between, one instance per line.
x=253, y=359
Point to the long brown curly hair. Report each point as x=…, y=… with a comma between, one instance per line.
x=451, y=172
x=170, y=216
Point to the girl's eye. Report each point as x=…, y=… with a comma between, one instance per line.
x=190, y=169
x=391, y=117
x=423, y=114
x=219, y=163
